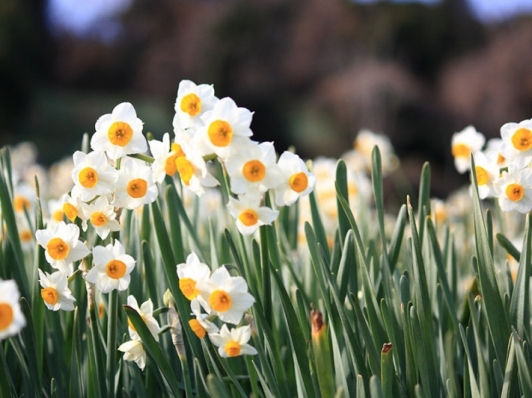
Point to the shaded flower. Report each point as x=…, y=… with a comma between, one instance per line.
x=55, y=291
x=234, y=342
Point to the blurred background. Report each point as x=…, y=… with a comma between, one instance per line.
x=315, y=72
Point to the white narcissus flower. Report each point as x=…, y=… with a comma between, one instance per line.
x=234, y=342
x=192, y=101
x=253, y=169
x=71, y=207
x=464, y=143
x=146, y=313
x=249, y=214
x=193, y=170
x=517, y=142
x=24, y=199
x=226, y=129
x=55, y=291
x=200, y=325
x=486, y=172
x=514, y=189
x=62, y=246
x=295, y=179
x=134, y=351
x=92, y=176
x=225, y=295
x=164, y=154
x=112, y=268
x=359, y=159
x=135, y=185
x=494, y=152
x=12, y=319
x=119, y=133
x=190, y=273
x=102, y=216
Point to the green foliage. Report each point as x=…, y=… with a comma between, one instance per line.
x=396, y=319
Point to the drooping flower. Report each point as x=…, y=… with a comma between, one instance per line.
x=249, y=214
x=102, y=216
x=119, y=133
x=225, y=295
x=135, y=185
x=92, y=176
x=190, y=273
x=112, y=268
x=55, y=291
x=12, y=319
x=514, y=189
x=517, y=142
x=226, y=129
x=200, y=325
x=146, y=313
x=234, y=342
x=62, y=246
x=134, y=351
x=253, y=169
x=295, y=179
x=464, y=143
x=71, y=208
x=192, y=101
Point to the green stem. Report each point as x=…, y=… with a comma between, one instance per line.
x=140, y=156
x=111, y=342
x=266, y=281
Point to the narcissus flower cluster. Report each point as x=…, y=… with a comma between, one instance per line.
x=502, y=170
x=220, y=295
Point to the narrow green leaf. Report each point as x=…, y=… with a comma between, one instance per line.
x=176, y=235
x=295, y=334
x=397, y=238
x=375, y=388
x=520, y=303
x=387, y=370
x=424, y=199
x=30, y=347
x=319, y=229
x=216, y=387
x=509, y=387
x=523, y=366
x=475, y=392
x=341, y=186
x=376, y=179
x=508, y=246
x=76, y=379
x=496, y=315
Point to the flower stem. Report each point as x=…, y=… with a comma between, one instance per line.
x=111, y=341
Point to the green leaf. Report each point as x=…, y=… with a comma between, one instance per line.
x=508, y=246
x=318, y=225
x=424, y=198
x=496, y=315
x=216, y=387
x=341, y=186
x=523, y=366
x=376, y=179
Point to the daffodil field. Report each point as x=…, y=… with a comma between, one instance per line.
x=208, y=264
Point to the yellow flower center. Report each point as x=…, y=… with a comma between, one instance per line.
x=170, y=166
x=120, y=133
x=98, y=219
x=232, y=349
x=88, y=177
x=70, y=211
x=482, y=175
x=461, y=151
x=191, y=104
x=197, y=328
x=185, y=169
x=20, y=203
x=220, y=300
x=522, y=139
x=500, y=159
x=50, y=295
x=248, y=217
x=188, y=288
x=298, y=182
x=137, y=188
x=57, y=249
x=58, y=215
x=101, y=310
x=254, y=171
x=115, y=269
x=25, y=236
x=220, y=133
x=6, y=316
x=515, y=192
